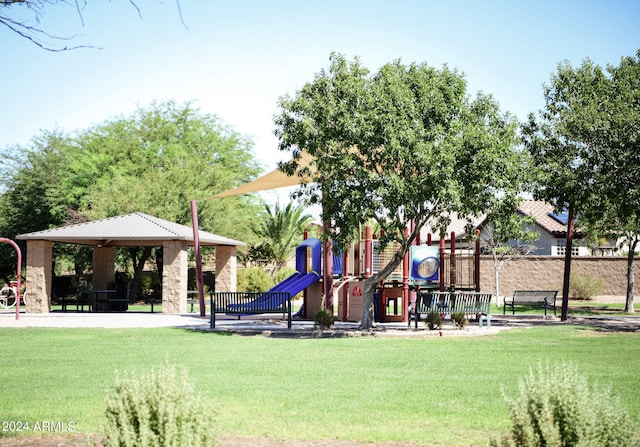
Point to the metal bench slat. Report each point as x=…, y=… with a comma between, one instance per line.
x=250, y=303
x=477, y=304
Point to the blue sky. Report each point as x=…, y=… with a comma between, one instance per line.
x=236, y=58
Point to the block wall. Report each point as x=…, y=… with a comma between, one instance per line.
x=546, y=272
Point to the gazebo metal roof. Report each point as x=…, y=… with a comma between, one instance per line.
x=135, y=229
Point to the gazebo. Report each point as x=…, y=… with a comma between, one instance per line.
x=129, y=230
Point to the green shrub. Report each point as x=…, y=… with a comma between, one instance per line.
x=324, y=318
x=158, y=409
x=459, y=319
x=253, y=279
x=584, y=287
x=433, y=320
x=556, y=407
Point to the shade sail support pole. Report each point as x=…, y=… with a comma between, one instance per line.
x=196, y=245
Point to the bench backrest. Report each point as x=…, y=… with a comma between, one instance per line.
x=467, y=302
x=534, y=296
x=250, y=302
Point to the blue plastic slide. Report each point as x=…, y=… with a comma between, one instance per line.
x=295, y=283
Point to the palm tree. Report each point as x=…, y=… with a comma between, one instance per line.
x=281, y=232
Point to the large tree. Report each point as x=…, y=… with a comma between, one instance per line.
x=403, y=147
x=611, y=126
x=154, y=162
x=585, y=144
x=158, y=159
x=27, y=198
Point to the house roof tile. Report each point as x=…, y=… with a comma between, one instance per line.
x=542, y=213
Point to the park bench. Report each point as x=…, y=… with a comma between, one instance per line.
x=476, y=305
x=250, y=303
x=532, y=298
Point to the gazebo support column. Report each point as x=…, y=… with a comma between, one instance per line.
x=226, y=268
x=104, y=267
x=104, y=274
x=39, y=276
x=174, y=277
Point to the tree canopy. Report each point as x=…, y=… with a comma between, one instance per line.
x=404, y=147
x=154, y=162
x=585, y=144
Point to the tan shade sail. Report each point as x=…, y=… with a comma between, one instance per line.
x=272, y=180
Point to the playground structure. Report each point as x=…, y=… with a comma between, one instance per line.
x=456, y=267
x=12, y=296
x=9, y=296
x=452, y=264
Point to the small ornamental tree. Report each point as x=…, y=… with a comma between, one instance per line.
x=403, y=147
x=280, y=232
x=505, y=235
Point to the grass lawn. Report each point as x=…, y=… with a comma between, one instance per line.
x=431, y=391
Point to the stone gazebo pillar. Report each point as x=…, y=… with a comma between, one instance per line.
x=39, y=276
x=103, y=276
x=174, y=277
x=104, y=267
x=226, y=268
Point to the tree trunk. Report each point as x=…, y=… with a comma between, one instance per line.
x=371, y=283
x=628, y=307
x=138, y=265
x=368, y=308
x=564, y=315
x=496, y=275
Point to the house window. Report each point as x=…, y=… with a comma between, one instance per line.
x=561, y=248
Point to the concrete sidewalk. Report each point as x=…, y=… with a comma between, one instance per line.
x=102, y=320
x=270, y=325
x=258, y=324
